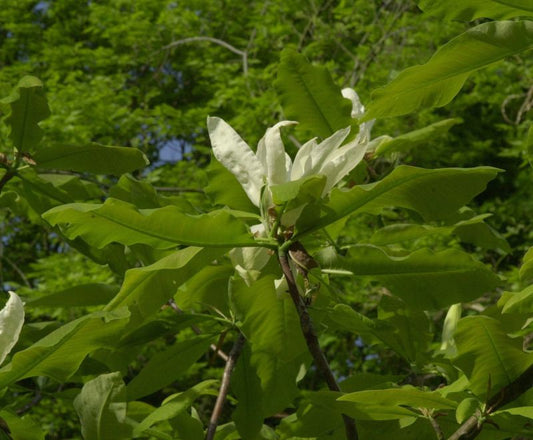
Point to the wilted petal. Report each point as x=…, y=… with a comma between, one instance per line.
x=11, y=321
x=271, y=153
x=341, y=162
x=235, y=154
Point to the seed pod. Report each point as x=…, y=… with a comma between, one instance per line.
x=11, y=320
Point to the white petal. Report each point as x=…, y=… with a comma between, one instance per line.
x=321, y=154
x=235, y=154
x=364, y=131
x=271, y=153
x=302, y=160
x=358, y=109
x=11, y=321
x=341, y=162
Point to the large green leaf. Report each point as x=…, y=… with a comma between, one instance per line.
x=434, y=194
x=471, y=9
x=60, y=353
x=526, y=271
x=122, y=222
x=92, y=158
x=175, y=404
x=436, y=83
x=28, y=107
x=390, y=404
x=269, y=318
x=423, y=279
x=101, y=406
x=21, y=428
x=415, y=138
x=146, y=289
x=248, y=416
x=166, y=366
x=91, y=294
x=309, y=95
x=487, y=356
x=519, y=302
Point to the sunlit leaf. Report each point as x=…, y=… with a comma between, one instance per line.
x=469, y=10
x=436, y=83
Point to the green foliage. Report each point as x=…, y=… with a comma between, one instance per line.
x=143, y=290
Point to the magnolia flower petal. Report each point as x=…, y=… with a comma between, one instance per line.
x=341, y=162
x=364, y=131
x=11, y=321
x=321, y=154
x=235, y=154
x=358, y=109
x=302, y=160
x=271, y=153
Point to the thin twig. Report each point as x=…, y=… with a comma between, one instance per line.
x=197, y=331
x=222, y=43
x=312, y=340
x=33, y=402
x=16, y=269
x=472, y=427
x=224, y=386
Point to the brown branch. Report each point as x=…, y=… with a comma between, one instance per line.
x=197, y=331
x=473, y=425
x=312, y=340
x=224, y=386
x=6, y=178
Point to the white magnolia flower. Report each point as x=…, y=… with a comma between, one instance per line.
x=271, y=165
x=11, y=320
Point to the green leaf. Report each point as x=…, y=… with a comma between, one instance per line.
x=21, y=428
x=167, y=366
x=526, y=271
x=415, y=138
x=487, y=355
x=122, y=222
x=60, y=353
x=434, y=194
x=389, y=404
x=468, y=10
x=146, y=289
x=269, y=318
x=91, y=158
x=138, y=193
x=436, y=83
x=101, y=406
x=466, y=408
x=309, y=95
x=520, y=302
x=176, y=404
x=92, y=294
x=28, y=107
x=248, y=416
x=298, y=192
x=423, y=279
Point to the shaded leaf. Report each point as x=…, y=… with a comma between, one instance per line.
x=21, y=428
x=309, y=95
x=92, y=158
x=166, y=366
x=436, y=83
x=101, y=406
x=28, y=108
x=526, y=271
x=91, y=294
x=423, y=279
x=487, y=355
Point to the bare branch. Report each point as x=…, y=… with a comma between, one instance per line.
x=222, y=43
x=16, y=269
x=312, y=340
x=224, y=386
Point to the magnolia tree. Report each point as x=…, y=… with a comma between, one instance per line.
x=261, y=278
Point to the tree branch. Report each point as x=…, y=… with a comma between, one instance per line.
x=473, y=425
x=224, y=386
x=6, y=178
x=222, y=43
x=312, y=341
